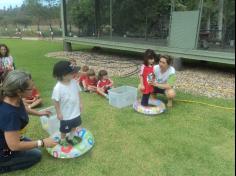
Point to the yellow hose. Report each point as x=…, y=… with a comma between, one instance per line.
x=211, y=105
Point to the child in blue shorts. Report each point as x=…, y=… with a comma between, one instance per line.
x=67, y=102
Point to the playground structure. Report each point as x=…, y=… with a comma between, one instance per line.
x=179, y=34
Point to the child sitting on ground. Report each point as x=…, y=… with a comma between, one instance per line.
x=104, y=83
x=67, y=103
x=76, y=68
x=83, y=75
x=34, y=100
x=91, y=82
x=73, y=62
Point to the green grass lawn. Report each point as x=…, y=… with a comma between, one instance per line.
x=189, y=140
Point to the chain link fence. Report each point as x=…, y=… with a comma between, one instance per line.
x=30, y=31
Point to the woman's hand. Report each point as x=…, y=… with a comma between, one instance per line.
x=49, y=143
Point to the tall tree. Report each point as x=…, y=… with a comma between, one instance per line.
x=36, y=10
x=82, y=15
x=52, y=10
x=97, y=16
x=220, y=19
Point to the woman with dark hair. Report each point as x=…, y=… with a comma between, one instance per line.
x=165, y=77
x=17, y=152
x=6, y=60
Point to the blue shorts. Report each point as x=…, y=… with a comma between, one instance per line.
x=67, y=125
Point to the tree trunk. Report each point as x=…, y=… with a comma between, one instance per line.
x=78, y=28
x=146, y=28
x=111, y=19
x=38, y=27
x=50, y=26
x=70, y=27
x=38, y=24
x=220, y=20
x=208, y=26
x=97, y=16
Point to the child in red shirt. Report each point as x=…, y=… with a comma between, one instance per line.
x=147, y=76
x=91, y=82
x=104, y=83
x=83, y=76
x=34, y=100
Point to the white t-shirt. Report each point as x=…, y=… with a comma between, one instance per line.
x=68, y=98
x=163, y=78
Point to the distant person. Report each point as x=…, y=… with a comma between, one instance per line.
x=52, y=35
x=75, y=67
x=165, y=77
x=6, y=61
x=73, y=62
x=41, y=34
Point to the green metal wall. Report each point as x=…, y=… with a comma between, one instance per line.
x=184, y=29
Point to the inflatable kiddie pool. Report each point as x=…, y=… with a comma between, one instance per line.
x=51, y=125
x=156, y=107
x=73, y=151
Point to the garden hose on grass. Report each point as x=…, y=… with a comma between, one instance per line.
x=207, y=104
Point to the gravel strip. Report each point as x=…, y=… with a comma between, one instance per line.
x=198, y=81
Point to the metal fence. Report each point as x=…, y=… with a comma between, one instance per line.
x=145, y=22
x=118, y=21
x=30, y=31
x=137, y=21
